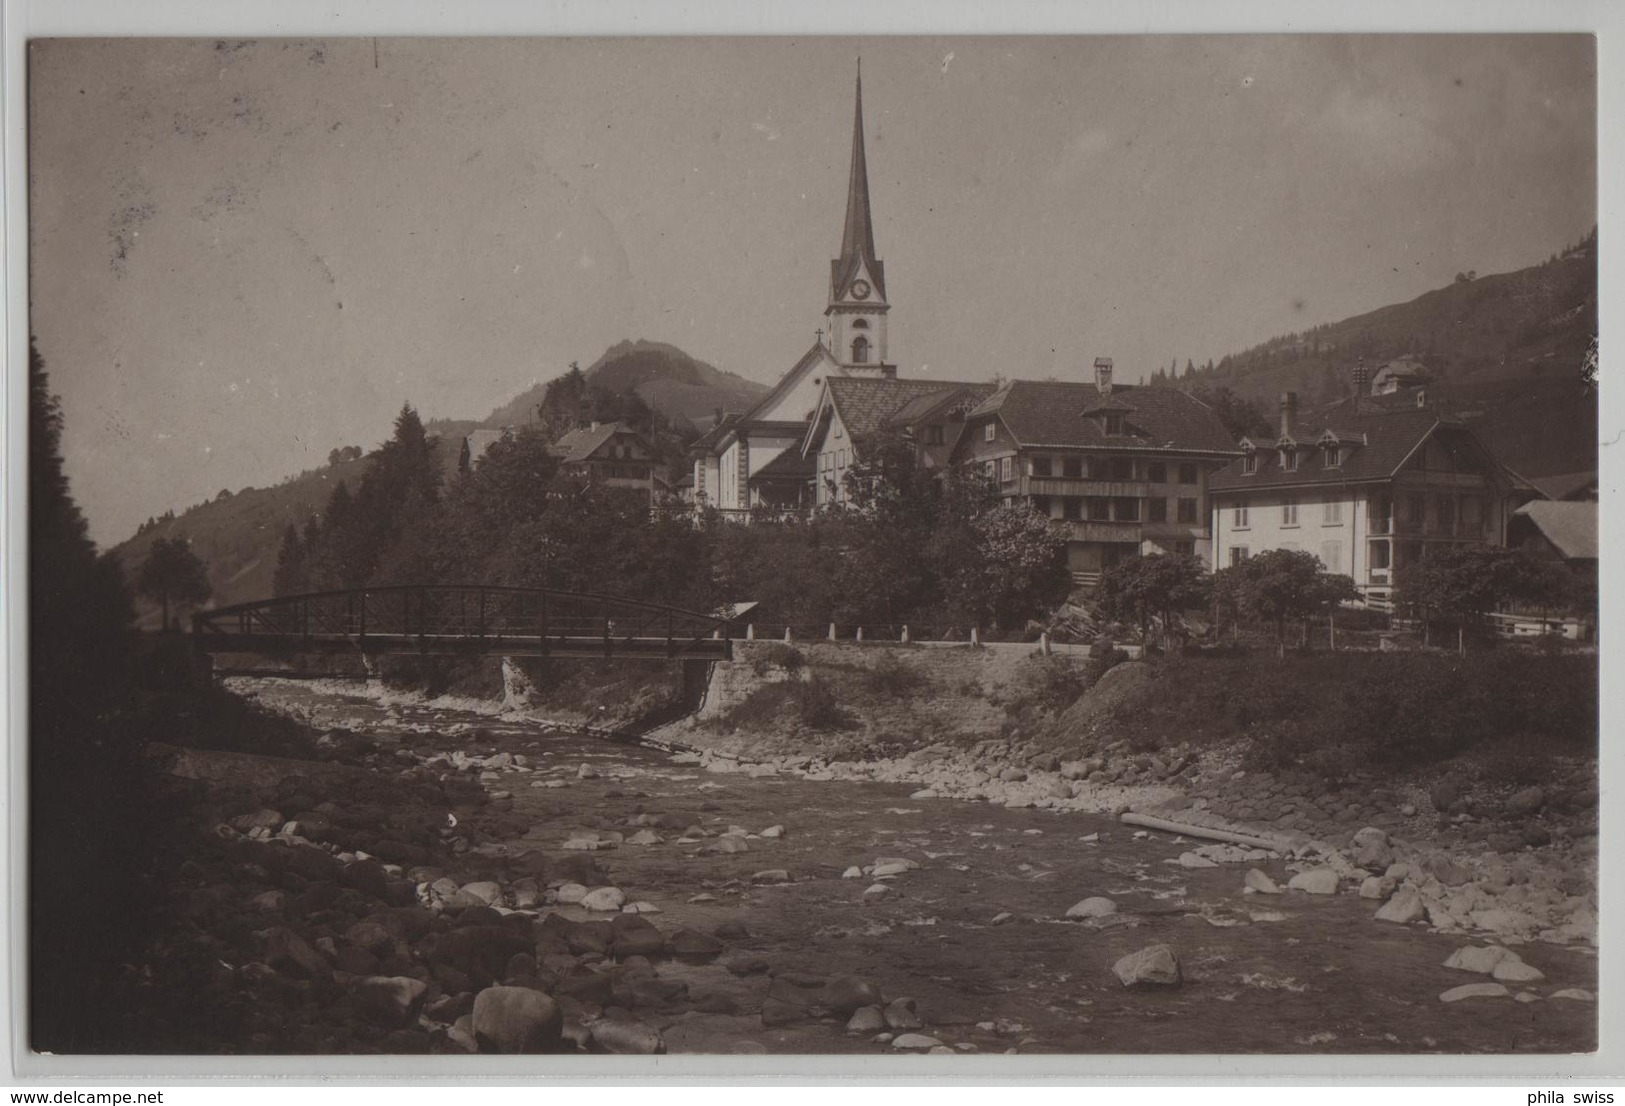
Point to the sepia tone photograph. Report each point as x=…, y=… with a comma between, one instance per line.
x=503, y=581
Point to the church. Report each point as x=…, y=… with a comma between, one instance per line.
x=1119, y=469
x=759, y=460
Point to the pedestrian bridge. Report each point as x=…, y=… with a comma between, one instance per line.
x=464, y=620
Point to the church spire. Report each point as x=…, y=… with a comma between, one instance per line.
x=858, y=236
x=857, y=279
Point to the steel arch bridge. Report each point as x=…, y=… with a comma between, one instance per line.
x=464, y=620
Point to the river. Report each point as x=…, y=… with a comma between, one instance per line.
x=976, y=934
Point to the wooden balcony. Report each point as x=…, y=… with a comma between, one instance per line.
x=1108, y=489
x=1097, y=531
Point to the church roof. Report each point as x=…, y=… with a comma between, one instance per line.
x=789, y=465
x=858, y=234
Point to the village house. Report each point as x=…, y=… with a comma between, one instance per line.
x=1367, y=489
x=609, y=455
x=853, y=412
x=1561, y=531
x=1121, y=470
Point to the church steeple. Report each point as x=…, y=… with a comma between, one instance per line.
x=857, y=288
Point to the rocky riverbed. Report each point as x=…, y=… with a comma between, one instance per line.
x=438, y=880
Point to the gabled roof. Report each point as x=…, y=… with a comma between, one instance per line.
x=818, y=354
x=921, y=408
x=1055, y=414
x=788, y=465
x=866, y=404
x=1570, y=527
x=1567, y=485
x=581, y=443
x=1375, y=445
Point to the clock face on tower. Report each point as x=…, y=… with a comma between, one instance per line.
x=860, y=289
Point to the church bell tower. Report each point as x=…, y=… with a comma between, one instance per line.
x=857, y=287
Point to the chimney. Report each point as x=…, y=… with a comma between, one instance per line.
x=1362, y=378
x=1103, y=375
x=1289, y=413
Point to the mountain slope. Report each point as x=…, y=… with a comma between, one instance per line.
x=238, y=536
x=663, y=376
x=1503, y=351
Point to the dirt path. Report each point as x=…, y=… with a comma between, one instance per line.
x=976, y=933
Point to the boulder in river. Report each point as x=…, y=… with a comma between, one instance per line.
x=1480, y=959
x=1474, y=990
x=635, y=935
x=1156, y=965
x=1405, y=907
x=1370, y=849
x=694, y=947
x=516, y=1020
x=1260, y=882
x=604, y=899
x=391, y=1001
x=627, y=1038
x=1093, y=907
x=846, y=993
x=1315, y=881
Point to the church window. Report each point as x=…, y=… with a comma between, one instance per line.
x=860, y=324
x=860, y=350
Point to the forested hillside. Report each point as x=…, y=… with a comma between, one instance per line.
x=657, y=387
x=1504, y=351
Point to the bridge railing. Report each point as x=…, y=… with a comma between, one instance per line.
x=466, y=613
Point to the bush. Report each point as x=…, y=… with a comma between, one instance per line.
x=776, y=654
x=1332, y=713
x=815, y=699
x=891, y=678
x=1053, y=683
x=811, y=701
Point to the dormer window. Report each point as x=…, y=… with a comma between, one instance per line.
x=1114, y=424
x=1249, y=464
x=1333, y=455
x=1289, y=460
x=989, y=432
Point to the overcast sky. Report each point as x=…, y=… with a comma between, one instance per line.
x=247, y=253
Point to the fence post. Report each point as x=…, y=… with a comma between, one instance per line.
x=1331, y=629
x=904, y=638
x=1043, y=643
x=750, y=632
x=975, y=637
x=787, y=635
x=832, y=631
x=860, y=634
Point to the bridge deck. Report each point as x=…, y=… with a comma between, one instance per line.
x=458, y=620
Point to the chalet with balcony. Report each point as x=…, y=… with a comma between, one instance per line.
x=1120, y=470
x=610, y=455
x=1366, y=489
